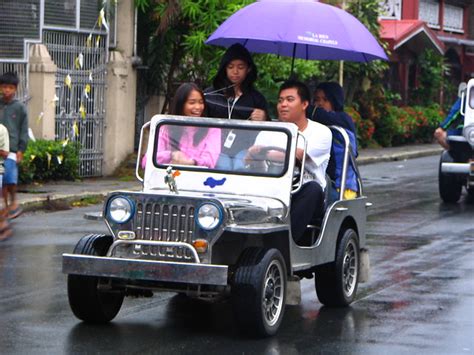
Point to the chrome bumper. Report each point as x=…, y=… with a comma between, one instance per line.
x=458, y=168
x=146, y=270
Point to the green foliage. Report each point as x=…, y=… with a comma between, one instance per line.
x=49, y=160
x=171, y=40
x=274, y=70
x=397, y=125
x=142, y=5
x=432, y=68
x=365, y=128
x=359, y=76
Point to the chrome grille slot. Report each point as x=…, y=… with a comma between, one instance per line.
x=164, y=222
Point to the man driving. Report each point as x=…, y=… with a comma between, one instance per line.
x=293, y=99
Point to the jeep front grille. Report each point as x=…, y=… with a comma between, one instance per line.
x=165, y=222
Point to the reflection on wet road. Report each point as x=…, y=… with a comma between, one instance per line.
x=419, y=299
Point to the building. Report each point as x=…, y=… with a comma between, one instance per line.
x=74, y=59
x=411, y=26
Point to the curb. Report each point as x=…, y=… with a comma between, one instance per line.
x=399, y=156
x=62, y=202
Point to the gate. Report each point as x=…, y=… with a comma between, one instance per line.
x=80, y=103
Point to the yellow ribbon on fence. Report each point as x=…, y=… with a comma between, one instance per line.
x=49, y=159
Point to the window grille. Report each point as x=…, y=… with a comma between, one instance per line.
x=60, y=13
x=20, y=20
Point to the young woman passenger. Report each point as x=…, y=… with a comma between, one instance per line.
x=233, y=96
x=188, y=145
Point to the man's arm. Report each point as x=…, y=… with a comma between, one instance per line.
x=452, y=116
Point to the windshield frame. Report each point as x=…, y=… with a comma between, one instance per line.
x=187, y=121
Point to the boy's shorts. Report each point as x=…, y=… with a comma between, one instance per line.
x=10, y=176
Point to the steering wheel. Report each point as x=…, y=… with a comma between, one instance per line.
x=261, y=161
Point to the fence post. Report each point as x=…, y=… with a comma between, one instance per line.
x=41, y=106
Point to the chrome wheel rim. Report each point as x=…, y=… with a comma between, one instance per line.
x=350, y=268
x=273, y=293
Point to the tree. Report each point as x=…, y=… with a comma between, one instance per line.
x=171, y=40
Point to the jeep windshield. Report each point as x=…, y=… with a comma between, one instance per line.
x=249, y=150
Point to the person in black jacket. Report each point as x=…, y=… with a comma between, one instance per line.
x=329, y=110
x=233, y=96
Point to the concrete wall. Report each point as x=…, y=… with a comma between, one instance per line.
x=121, y=92
x=41, y=107
x=154, y=106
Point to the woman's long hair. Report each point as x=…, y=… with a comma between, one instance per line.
x=236, y=51
x=177, y=108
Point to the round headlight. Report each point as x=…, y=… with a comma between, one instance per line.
x=121, y=209
x=209, y=216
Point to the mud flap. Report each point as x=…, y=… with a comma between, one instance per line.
x=293, y=291
x=364, y=269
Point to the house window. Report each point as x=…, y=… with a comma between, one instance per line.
x=453, y=18
x=429, y=12
x=391, y=9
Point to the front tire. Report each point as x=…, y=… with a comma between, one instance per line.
x=87, y=302
x=450, y=188
x=259, y=291
x=336, y=283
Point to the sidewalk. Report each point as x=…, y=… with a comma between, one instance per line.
x=44, y=196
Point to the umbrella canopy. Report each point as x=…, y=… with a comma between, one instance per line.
x=299, y=28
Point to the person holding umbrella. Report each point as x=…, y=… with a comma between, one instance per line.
x=233, y=96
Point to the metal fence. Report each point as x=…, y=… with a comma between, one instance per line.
x=63, y=26
x=80, y=113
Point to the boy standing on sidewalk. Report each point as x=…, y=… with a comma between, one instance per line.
x=15, y=119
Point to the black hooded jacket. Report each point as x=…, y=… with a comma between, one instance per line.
x=338, y=117
x=220, y=97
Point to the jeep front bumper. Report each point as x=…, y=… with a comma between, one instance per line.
x=146, y=270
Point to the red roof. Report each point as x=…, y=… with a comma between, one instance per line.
x=405, y=32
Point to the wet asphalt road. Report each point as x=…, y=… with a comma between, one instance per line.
x=420, y=298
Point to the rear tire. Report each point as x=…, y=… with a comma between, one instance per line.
x=336, y=283
x=87, y=302
x=259, y=291
x=450, y=188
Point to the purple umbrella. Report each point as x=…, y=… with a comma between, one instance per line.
x=299, y=28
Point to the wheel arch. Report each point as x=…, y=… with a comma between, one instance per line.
x=348, y=222
x=230, y=246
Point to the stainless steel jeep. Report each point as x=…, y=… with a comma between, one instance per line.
x=456, y=167
x=214, y=233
